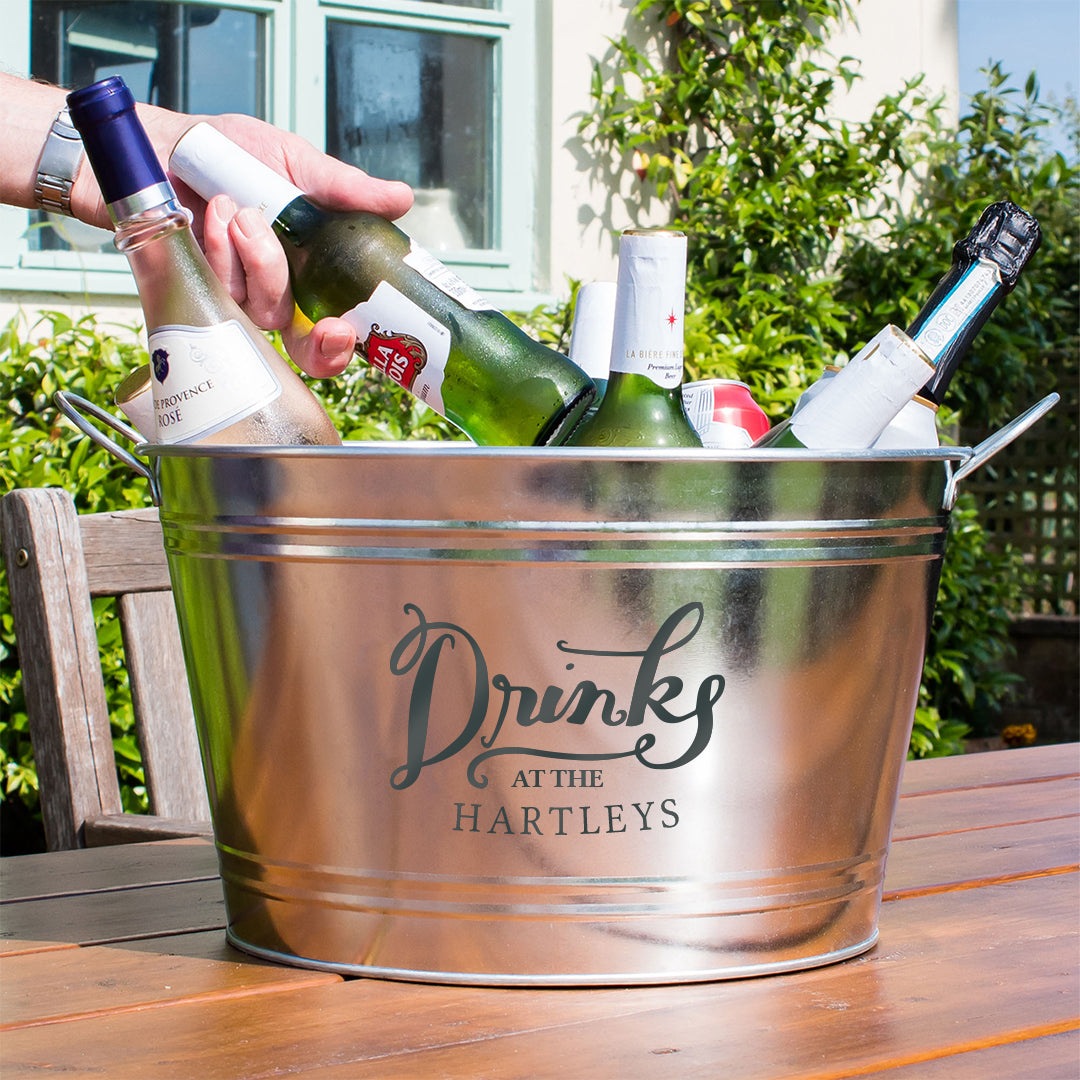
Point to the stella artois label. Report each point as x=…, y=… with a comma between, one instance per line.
x=404, y=342
x=442, y=277
x=401, y=356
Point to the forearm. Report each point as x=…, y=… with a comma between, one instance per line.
x=27, y=110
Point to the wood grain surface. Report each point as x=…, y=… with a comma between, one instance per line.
x=114, y=964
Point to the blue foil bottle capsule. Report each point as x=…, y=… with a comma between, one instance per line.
x=128, y=171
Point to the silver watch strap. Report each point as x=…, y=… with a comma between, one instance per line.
x=58, y=166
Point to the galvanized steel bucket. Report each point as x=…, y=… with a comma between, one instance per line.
x=554, y=717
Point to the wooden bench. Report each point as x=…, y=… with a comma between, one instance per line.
x=57, y=561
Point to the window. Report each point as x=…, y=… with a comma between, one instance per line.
x=435, y=92
x=188, y=57
x=417, y=106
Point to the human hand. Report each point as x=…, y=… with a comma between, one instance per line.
x=241, y=247
x=245, y=254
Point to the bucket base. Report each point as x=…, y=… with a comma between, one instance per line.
x=739, y=971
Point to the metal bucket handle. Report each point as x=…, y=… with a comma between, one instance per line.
x=982, y=453
x=74, y=407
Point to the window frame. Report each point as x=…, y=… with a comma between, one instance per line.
x=295, y=78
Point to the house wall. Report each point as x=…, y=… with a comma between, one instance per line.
x=895, y=39
x=582, y=209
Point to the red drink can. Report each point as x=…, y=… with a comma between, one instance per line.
x=724, y=414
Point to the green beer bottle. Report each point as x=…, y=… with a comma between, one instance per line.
x=642, y=405
x=415, y=320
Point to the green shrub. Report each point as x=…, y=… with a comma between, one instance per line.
x=808, y=233
x=52, y=352
x=965, y=680
x=38, y=357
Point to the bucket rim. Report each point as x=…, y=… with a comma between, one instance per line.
x=456, y=449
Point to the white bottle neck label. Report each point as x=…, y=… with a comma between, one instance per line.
x=211, y=164
x=855, y=406
x=594, y=323
x=649, y=307
x=404, y=342
x=204, y=378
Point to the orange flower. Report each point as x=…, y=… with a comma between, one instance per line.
x=1019, y=735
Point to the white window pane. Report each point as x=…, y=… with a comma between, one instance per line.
x=182, y=56
x=415, y=106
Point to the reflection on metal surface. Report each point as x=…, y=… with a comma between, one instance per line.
x=524, y=717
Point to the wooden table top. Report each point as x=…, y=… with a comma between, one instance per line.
x=113, y=963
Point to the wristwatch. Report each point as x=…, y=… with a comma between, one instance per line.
x=58, y=166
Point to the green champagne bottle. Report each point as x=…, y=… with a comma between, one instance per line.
x=643, y=404
x=415, y=320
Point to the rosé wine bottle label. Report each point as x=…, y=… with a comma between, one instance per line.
x=204, y=378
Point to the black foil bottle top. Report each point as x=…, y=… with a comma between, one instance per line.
x=1006, y=236
x=116, y=143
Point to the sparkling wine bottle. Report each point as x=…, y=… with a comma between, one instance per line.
x=986, y=266
x=415, y=320
x=643, y=403
x=215, y=376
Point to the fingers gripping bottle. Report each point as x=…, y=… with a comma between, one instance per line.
x=415, y=320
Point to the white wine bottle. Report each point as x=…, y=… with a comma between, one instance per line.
x=643, y=403
x=415, y=320
x=856, y=404
x=215, y=377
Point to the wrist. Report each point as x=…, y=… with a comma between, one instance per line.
x=58, y=165
x=27, y=111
